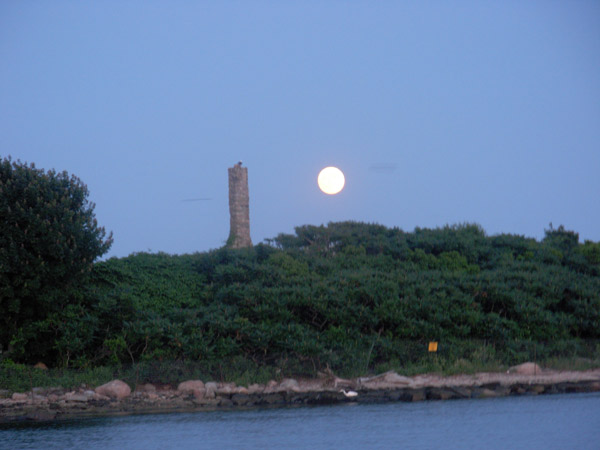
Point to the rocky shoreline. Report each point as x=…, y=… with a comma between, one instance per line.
x=116, y=397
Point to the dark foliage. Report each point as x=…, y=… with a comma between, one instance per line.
x=49, y=240
x=348, y=295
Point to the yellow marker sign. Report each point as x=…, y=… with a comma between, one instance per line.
x=433, y=346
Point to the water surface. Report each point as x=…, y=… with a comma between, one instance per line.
x=566, y=421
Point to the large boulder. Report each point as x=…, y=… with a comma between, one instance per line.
x=289, y=385
x=191, y=386
x=528, y=368
x=114, y=389
x=211, y=389
x=195, y=387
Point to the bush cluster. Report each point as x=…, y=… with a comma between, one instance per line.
x=350, y=296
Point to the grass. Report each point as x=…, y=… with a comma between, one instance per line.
x=20, y=378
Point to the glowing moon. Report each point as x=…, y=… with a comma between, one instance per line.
x=331, y=180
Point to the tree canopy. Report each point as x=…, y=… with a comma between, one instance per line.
x=49, y=240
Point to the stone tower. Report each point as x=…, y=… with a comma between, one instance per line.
x=239, y=207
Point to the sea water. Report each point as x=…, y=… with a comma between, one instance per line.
x=566, y=421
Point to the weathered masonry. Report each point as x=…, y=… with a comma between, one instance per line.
x=239, y=207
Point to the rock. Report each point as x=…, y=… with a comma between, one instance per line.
x=37, y=399
x=371, y=396
x=527, y=368
x=394, y=378
x=417, y=395
x=491, y=386
x=492, y=389
x=190, y=386
x=241, y=390
x=225, y=402
x=536, y=389
x=202, y=400
x=255, y=388
x=461, y=391
x=73, y=397
x=114, y=389
x=322, y=398
x=273, y=399
x=386, y=380
x=226, y=388
x=199, y=394
x=483, y=393
x=403, y=395
x=444, y=394
x=211, y=390
x=19, y=396
x=289, y=385
x=241, y=399
x=40, y=365
x=101, y=397
x=502, y=390
x=336, y=382
x=4, y=393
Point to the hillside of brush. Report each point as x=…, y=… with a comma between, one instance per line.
x=354, y=297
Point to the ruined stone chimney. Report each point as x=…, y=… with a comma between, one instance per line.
x=239, y=207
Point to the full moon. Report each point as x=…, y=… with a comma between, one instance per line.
x=331, y=180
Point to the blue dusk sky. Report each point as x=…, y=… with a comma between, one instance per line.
x=438, y=112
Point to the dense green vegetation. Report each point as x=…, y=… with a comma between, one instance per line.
x=355, y=297
x=49, y=240
x=351, y=296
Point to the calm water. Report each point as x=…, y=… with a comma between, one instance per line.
x=546, y=422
